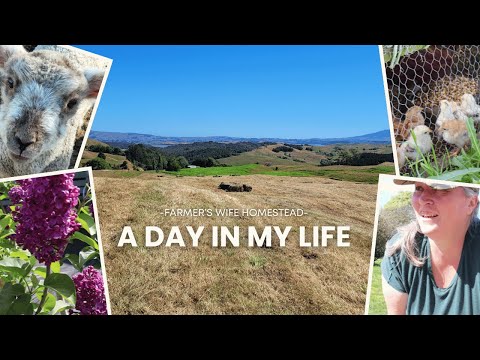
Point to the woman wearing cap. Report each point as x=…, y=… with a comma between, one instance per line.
x=432, y=266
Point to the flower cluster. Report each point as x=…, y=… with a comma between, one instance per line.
x=45, y=214
x=91, y=209
x=90, y=292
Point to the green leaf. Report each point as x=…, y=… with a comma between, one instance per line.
x=63, y=285
x=61, y=306
x=26, y=269
x=55, y=267
x=73, y=260
x=49, y=304
x=20, y=254
x=88, y=240
x=21, y=306
x=5, y=221
x=456, y=175
x=34, y=280
x=8, y=294
x=13, y=266
x=7, y=243
x=41, y=270
x=88, y=223
x=87, y=253
x=32, y=260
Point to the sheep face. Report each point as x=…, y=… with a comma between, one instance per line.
x=41, y=93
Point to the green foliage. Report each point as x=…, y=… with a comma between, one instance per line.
x=101, y=155
x=403, y=198
x=377, y=304
x=182, y=161
x=206, y=162
x=282, y=148
x=63, y=285
x=28, y=287
x=98, y=164
x=365, y=175
x=173, y=165
x=257, y=261
x=298, y=147
x=150, y=158
x=231, y=170
x=388, y=221
x=392, y=54
x=204, y=150
x=106, y=149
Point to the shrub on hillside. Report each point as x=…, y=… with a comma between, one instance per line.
x=282, y=148
x=98, y=164
x=388, y=221
x=298, y=147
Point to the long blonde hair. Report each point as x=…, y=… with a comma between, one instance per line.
x=410, y=235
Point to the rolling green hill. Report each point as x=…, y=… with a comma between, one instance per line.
x=265, y=155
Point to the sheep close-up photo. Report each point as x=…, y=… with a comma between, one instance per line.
x=48, y=94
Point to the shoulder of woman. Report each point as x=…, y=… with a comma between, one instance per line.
x=394, y=239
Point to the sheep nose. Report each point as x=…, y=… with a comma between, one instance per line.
x=22, y=145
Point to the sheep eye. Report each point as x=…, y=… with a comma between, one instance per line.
x=72, y=103
x=10, y=83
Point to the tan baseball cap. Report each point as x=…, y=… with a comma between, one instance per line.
x=433, y=185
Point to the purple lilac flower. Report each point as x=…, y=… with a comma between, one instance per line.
x=45, y=215
x=91, y=209
x=90, y=292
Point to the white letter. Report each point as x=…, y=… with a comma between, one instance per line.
x=175, y=237
x=225, y=233
x=195, y=236
x=215, y=236
x=303, y=243
x=282, y=236
x=326, y=236
x=253, y=236
x=341, y=236
x=315, y=236
x=148, y=236
x=127, y=231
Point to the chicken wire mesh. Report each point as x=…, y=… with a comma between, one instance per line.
x=434, y=93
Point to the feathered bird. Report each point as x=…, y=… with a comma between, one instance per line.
x=449, y=110
x=424, y=142
x=470, y=107
x=401, y=157
x=455, y=132
x=413, y=118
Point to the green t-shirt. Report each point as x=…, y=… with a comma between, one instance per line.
x=461, y=297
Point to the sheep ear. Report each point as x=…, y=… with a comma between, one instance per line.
x=6, y=51
x=95, y=79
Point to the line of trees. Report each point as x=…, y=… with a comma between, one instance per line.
x=106, y=149
x=150, y=158
x=203, y=150
x=354, y=158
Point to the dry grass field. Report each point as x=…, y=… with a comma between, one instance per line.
x=243, y=280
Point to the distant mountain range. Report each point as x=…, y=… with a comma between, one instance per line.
x=161, y=141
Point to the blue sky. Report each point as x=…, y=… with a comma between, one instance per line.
x=242, y=91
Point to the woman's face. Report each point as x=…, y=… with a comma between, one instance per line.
x=442, y=211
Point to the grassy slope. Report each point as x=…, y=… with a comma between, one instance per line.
x=377, y=302
x=110, y=158
x=206, y=280
x=368, y=174
x=246, y=164
x=265, y=154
